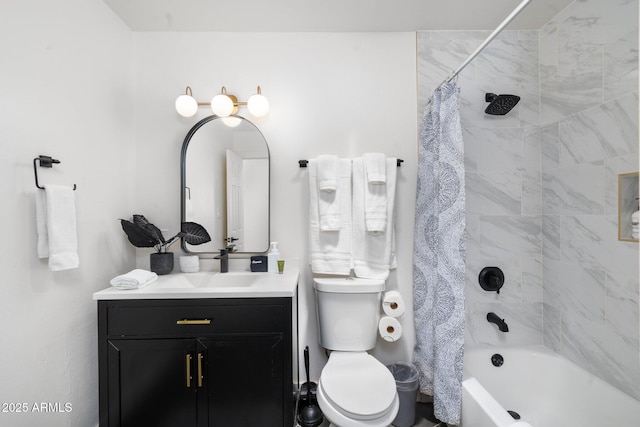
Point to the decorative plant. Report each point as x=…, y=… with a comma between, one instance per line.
x=142, y=234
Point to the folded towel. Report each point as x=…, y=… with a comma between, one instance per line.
x=327, y=172
x=330, y=204
x=375, y=199
x=56, y=226
x=376, y=168
x=374, y=254
x=135, y=279
x=330, y=251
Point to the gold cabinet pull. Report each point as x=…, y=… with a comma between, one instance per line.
x=200, y=357
x=188, y=370
x=193, y=322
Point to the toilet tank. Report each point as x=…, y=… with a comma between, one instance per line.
x=348, y=312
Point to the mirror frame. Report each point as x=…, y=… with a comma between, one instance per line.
x=183, y=181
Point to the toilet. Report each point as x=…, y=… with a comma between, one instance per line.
x=354, y=389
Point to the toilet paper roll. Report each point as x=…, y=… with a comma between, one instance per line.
x=390, y=329
x=393, y=304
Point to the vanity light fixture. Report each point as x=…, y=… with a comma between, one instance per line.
x=186, y=105
x=223, y=104
x=258, y=104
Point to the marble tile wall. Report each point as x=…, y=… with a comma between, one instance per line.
x=541, y=182
x=503, y=175
x=589, y=135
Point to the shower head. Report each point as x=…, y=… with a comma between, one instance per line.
x=500, y=104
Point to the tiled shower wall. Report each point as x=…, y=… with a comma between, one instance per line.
x=589, y=128
x=541, y=182
x=503, y=175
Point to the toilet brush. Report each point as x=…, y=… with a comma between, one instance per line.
x=310, y=414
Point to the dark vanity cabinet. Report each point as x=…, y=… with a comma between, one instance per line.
x=196, y=362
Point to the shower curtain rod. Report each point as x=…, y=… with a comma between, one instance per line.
x=489, y=39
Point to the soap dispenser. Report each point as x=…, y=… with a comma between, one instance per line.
x=272, y=258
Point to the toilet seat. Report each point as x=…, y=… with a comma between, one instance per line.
x=358, y=387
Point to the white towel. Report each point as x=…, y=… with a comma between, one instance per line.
x=56, y=226
x=376, y=168
x=373, y=254
x=135, y=279
x=327, y=172
x=375, y=199
x=327, y=175
x=41, y=225
x=330, y=251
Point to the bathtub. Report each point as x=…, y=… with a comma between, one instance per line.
x=542, y=388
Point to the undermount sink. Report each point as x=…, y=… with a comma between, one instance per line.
x=210, y=280
x=223, y=279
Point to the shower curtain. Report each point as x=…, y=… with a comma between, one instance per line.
x=439, y=255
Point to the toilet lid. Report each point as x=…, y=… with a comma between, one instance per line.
x=358, y=384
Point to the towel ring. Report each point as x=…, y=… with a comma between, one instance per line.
x=45, y=162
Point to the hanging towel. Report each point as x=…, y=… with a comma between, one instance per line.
x=135, y=279
x=330, y=251
x=330, y=186
x=376, y=168
x=439, y=255
x=373, y=253
x=56, y=226
x=41, y=225
x=375, y=199
x=327, y=172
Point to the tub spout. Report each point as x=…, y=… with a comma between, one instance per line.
x=502, y=325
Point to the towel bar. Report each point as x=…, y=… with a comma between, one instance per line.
x=45, y=162
x=304, y=163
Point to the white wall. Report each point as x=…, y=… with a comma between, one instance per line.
x=65, y=91
x=344, y=94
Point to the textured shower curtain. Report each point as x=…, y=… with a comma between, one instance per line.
x=439, y=255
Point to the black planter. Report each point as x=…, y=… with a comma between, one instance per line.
x=162, y=262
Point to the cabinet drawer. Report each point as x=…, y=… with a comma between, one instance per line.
x=193, y=320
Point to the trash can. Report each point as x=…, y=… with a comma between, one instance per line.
x=406, y=376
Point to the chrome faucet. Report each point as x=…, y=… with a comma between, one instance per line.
x=502, y=325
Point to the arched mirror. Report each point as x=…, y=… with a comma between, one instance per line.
x=225, y=184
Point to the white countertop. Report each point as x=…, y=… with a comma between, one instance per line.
x=235, y=284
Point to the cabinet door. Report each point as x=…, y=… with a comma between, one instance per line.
x=244, y=379
x=149, y=384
